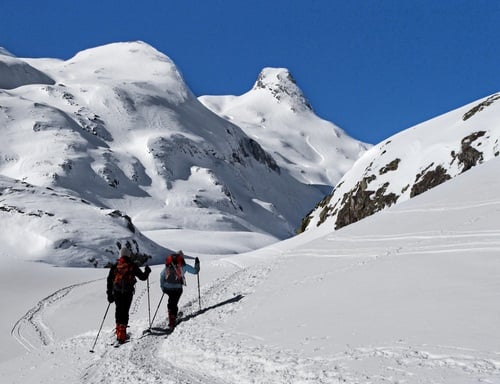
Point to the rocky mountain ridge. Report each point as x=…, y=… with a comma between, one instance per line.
x=275, y=113
x=412, y=162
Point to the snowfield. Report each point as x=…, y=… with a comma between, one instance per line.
x=408, y=295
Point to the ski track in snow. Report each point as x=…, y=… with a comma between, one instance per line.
x=413, y=243
x=142, y=360
x=322, y=158
x=201, y=351
x=30, y=330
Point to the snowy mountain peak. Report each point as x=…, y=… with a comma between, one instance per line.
x=125, y=134
x=276, y=113
x=283, y=87
x=135, y=63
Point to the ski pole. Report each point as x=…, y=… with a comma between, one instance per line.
x=102, y=323
x=149, y=306
x=199, y=295
x=157, y=308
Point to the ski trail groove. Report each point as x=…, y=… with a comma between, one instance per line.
x=142, y=360
x=30, y=331
x=203, y=350
x=235, y=358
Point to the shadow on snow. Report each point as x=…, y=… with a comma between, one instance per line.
x=166, y=331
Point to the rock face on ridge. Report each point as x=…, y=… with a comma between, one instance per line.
x=281, y=84
x=411, y=163
x=276, y=113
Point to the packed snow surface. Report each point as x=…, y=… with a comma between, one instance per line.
x=409, y=295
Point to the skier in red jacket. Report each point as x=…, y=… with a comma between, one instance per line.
x=121, y=287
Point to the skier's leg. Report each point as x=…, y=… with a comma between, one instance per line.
x=174, y=296
x=119, y=316
x=123, y=302
x=127, y=302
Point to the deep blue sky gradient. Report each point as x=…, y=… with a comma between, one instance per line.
x=372, y=67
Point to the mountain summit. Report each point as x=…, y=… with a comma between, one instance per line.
x=276, y=113
x=134, y=63
x=283, y=87
x=117, y=128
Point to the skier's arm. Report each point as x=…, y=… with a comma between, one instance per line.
x=162, y=279
x=190, y=269
x=141, y=275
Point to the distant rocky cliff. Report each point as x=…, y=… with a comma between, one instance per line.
x=412, y=162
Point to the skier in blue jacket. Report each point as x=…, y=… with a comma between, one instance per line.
x=172, y=281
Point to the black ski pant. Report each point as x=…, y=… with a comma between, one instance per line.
x=123, y=301
x=174, y=295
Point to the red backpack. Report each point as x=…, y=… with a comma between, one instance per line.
x=124, y=278
x=173, y=267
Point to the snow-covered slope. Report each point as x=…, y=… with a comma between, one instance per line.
x=406, y=296
x=118, y=127
x=276, y=114
x=41, y=224
x=15, y=72
x=412, y=162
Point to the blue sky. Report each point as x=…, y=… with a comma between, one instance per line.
x=372, y=67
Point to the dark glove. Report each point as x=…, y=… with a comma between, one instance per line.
x=111, y=298
x=147, y=270
x=197, y=264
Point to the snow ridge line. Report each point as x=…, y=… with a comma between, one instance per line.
x=33, y=320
